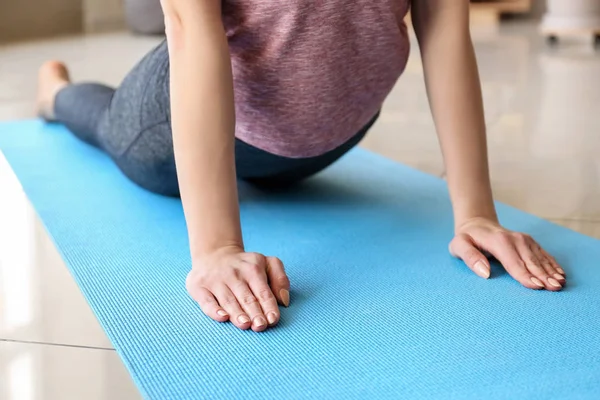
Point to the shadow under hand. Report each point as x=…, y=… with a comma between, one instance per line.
x=497, y=270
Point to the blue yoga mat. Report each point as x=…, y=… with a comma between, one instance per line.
x=379, y=309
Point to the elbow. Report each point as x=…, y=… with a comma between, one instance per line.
x=174, y=24
x=187, y=20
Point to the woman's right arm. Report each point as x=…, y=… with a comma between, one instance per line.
x=228, y=283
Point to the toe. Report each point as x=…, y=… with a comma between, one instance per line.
x=54, y=69
x=52, y=76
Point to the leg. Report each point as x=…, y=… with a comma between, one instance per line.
x=131, y=124
x=81, y=107
x=52, y=77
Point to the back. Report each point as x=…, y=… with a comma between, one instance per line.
x=309, y=74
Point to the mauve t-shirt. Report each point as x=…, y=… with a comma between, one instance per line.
x=309, y=74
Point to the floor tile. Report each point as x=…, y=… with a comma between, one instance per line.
x=410, y=142
x=544, y=148
x=39, y=300
x=43, y=372
x=104, y=58
x=16, y=109
x=589, y=228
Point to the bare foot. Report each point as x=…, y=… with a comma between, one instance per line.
x=52, y=76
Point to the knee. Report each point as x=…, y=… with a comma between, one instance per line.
x=151, y=166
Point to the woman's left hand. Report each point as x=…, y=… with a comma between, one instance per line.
x=520, y=255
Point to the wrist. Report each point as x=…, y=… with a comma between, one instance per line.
x=203, y=252
x=464, y=220
x=484, y=211
x=475, y=201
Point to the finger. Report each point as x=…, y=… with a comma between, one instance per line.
x=249, y=304
x=547, y=264
x=278, y=280
x=229, y=302
x=553, y=262
x=268, y=302
x=209, y=305
x=501, y=246
x=462, y=247
x=524, y=247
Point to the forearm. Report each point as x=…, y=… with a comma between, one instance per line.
x=454, y=93
x=203, y=122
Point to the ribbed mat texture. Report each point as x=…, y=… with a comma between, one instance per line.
x=379, y=309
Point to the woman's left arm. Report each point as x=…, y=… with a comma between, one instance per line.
x=454, y=91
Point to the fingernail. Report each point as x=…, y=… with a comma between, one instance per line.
x=561, y=271
x=272, y=317
x=482, y=270
x=222, y=313
x=243, y=319
x=260, y=322
x=285, y=297
x=554, y=282
x=536, y=281
x=559, y=277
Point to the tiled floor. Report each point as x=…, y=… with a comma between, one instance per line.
x=541, y=108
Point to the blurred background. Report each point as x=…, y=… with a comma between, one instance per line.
x=30, y=19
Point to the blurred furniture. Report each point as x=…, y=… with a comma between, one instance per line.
x=492, y=10
x=572, y=17
x=103, y=15
x=42, y=19
x=144, y=16
x=29, y=19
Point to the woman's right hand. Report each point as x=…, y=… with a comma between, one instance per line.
x=244, y=288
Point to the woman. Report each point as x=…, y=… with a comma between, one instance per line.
x=274, y=92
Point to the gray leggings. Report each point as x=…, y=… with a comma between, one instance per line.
x=132, y=124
